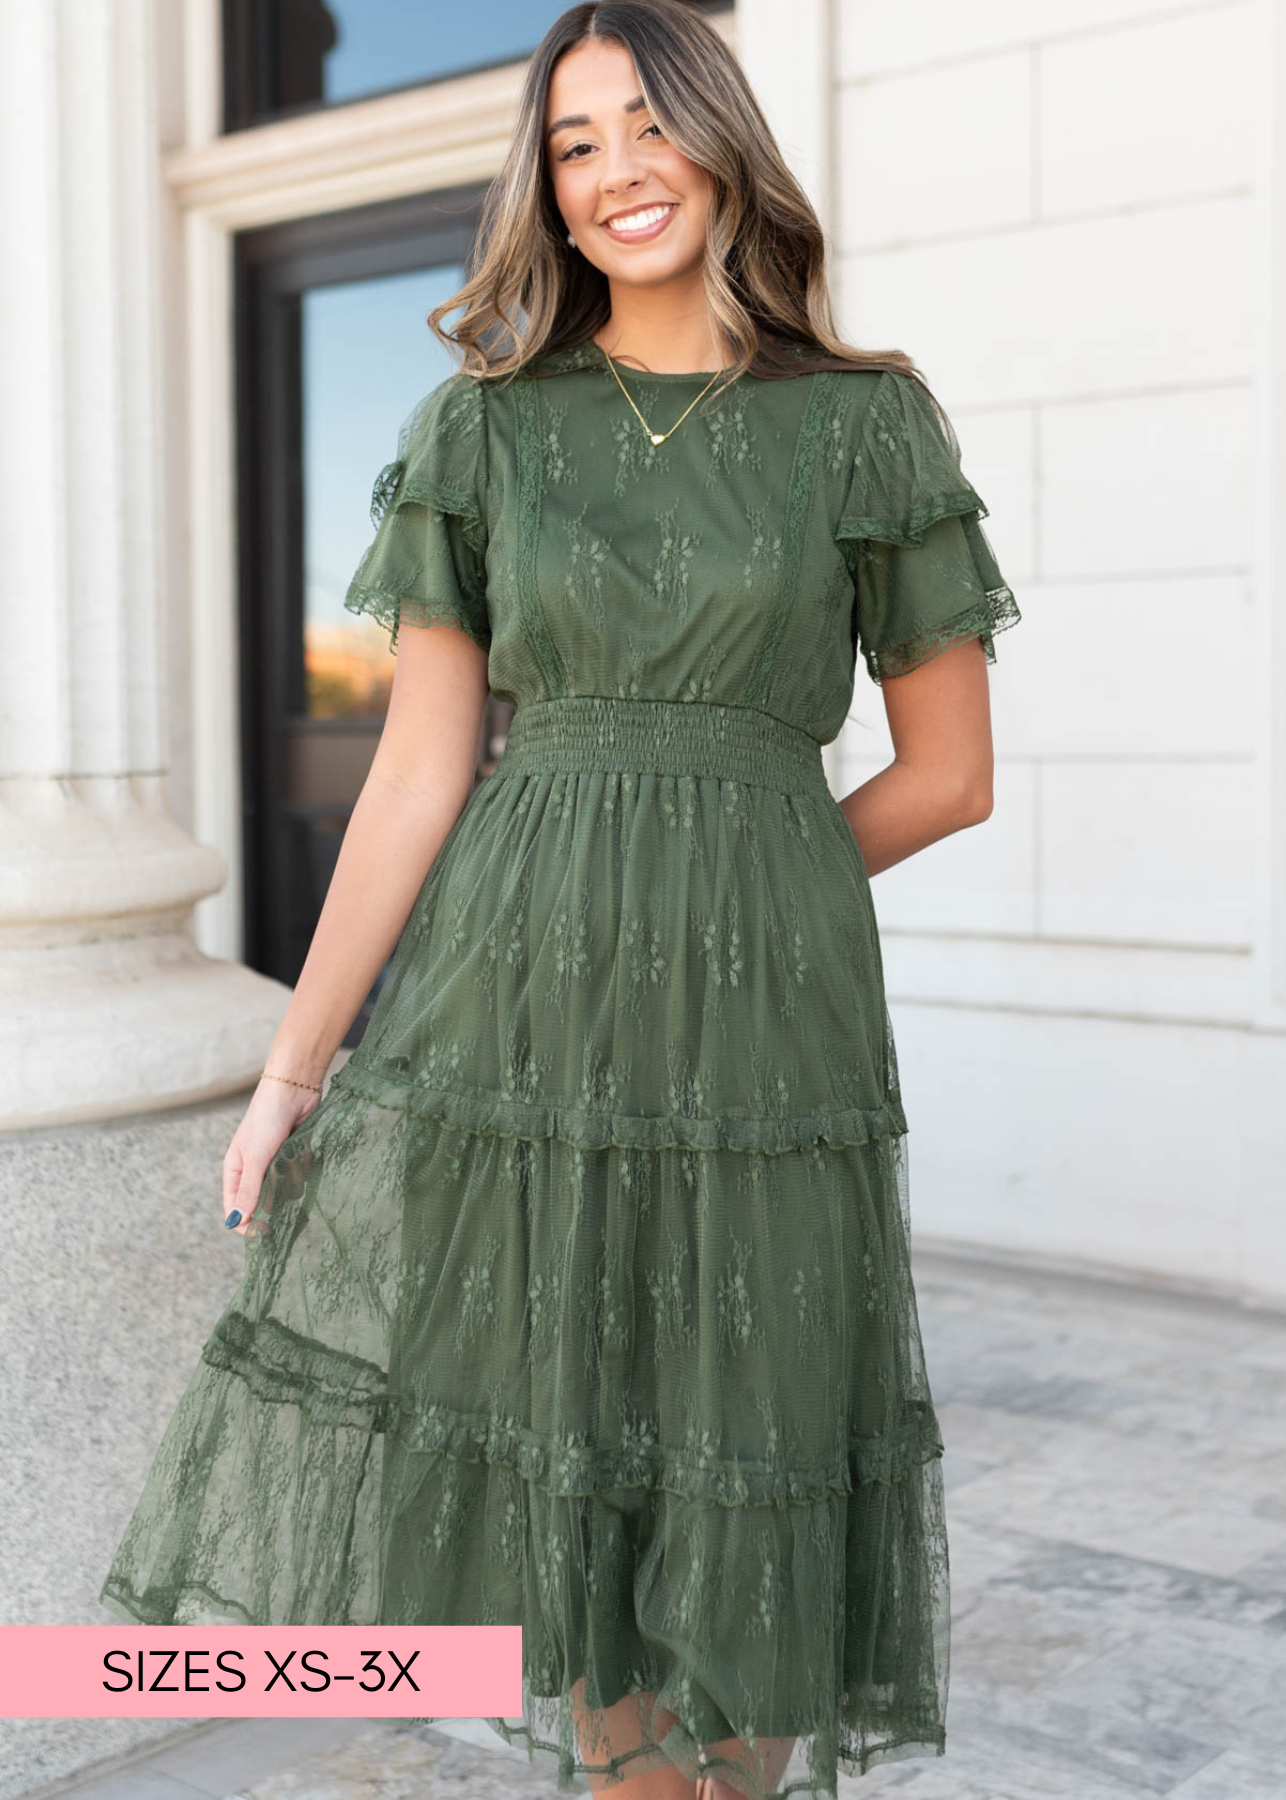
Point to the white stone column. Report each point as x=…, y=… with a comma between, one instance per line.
x=106, y=1004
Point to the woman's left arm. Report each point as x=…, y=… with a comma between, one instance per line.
x=940, y=779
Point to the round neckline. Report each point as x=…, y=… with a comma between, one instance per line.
x=668, y=374
x=653, y=374
x=591, y=355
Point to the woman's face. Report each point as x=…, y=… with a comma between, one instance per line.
x=615, y=160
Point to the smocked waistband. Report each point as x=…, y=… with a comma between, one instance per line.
x=579, y=732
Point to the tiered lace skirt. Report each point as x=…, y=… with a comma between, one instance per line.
x=586, y=1303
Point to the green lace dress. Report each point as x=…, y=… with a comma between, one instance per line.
x=586, y=1301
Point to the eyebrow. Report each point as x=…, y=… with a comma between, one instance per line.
x=584, y=118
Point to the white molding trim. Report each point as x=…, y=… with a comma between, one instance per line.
x=202, y=36
x=414, y=142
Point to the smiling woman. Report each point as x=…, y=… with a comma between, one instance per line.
x=582, y=1300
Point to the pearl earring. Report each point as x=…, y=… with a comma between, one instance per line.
x=570, y=238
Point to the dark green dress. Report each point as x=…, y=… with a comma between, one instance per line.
x=586, y=1302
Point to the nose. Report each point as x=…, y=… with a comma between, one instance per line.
x=622, y=171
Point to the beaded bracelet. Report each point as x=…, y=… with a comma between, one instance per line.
x=300, y=1084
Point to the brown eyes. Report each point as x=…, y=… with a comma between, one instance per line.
x=566, y=155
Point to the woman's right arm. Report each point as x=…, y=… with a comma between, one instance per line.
x=420, y=778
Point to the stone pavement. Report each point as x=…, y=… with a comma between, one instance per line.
x=1116, y=1504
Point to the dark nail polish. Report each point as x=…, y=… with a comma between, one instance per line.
x=233, y=1218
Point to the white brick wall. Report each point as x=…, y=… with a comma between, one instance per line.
x=1054, y=207
x=1043, y=309
x=876, y=37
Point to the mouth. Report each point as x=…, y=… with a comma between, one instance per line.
x=643, y=223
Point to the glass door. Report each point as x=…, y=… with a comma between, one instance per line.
x=333, y=352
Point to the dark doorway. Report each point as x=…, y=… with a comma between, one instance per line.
x=332, y=354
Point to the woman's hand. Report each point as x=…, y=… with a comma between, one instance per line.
x=274, y=1111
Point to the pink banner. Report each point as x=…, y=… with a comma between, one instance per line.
x=260, y=1671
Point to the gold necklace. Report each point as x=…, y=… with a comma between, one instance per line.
x=659, y=437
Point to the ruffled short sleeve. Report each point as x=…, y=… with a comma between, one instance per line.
x=427, y=562
x=924, y=574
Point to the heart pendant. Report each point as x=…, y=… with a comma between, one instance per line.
x=658, y=437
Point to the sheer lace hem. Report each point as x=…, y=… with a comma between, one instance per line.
x=176, y=1600
x=683, y=1752
x=992, y=612
x=775, y=1689
x=281, y=1367
x=393, y=610
x=505, y=1116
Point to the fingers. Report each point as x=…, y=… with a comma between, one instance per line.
x=242, y=1184
x=239, y=1216
x=231, y=1177
x=247, y=1198
x=241, y=1219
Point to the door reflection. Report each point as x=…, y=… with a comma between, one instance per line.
x=366, y=358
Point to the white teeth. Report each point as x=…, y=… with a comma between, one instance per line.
x=636, y=221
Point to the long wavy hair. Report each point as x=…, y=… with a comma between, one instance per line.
x=765, y=255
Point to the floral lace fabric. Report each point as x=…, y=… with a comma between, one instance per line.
x=923, y=569
x=586, y=1301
